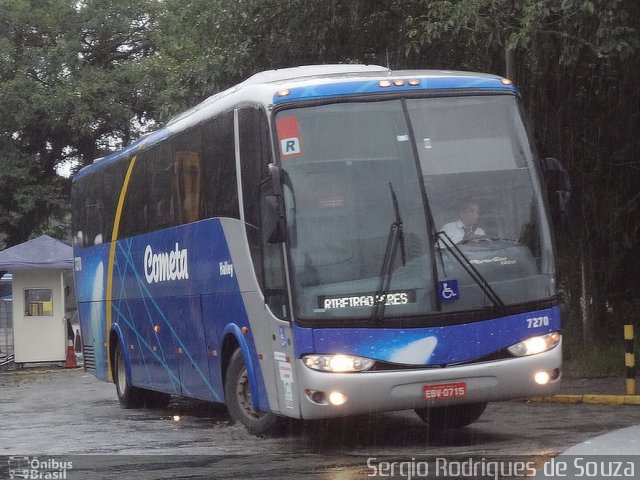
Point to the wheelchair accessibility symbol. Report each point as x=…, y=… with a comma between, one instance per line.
x=448, y=290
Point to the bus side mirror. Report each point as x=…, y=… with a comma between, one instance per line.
x=558, y=189
x=273, y=223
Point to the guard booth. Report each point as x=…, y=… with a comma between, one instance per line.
x=42, y=298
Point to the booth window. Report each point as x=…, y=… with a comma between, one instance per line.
x=38, y=302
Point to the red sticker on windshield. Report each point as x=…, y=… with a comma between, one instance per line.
x=289, y=136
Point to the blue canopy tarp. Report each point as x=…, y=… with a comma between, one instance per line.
x=42, y=253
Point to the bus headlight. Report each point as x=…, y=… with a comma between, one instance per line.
x=534, y=345
x=337, y=363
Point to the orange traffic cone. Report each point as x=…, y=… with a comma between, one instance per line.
x=70, y=362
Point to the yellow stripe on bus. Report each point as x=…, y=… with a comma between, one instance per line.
x=112, y=257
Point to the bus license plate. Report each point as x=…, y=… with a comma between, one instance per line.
x=444, y=390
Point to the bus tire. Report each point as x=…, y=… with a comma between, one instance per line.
x=128, y=395
x=452, y=416
x=238, y=399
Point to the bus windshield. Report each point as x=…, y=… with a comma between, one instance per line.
x=468, y=203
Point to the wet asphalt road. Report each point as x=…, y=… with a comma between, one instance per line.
x=68, y=412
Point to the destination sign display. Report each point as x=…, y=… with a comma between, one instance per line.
x=361, y=300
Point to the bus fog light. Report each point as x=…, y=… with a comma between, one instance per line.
x=534, y=345
x=314, y=396
x=337, y=363
x=337, y=398
x=542, y=378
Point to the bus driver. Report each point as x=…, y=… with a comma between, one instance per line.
x=465, y=227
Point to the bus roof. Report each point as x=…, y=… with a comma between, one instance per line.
x=273, y=87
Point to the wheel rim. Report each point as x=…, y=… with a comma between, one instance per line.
x=243, y=395
x=121, y=374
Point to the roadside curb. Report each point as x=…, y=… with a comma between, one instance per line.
x=34, y=371
x=590, y=399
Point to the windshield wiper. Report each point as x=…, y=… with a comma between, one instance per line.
x=461, y=258
x=394, y=240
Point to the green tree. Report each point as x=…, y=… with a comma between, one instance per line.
x=72, y=85
x=207, y=46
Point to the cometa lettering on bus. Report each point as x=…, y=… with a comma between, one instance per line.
x=166, y=266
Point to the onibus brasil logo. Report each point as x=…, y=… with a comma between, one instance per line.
x=36, y=468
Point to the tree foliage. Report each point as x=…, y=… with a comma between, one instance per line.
x=71, y=84
x=79, y=78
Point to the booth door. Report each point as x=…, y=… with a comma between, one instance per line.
x=40, y=328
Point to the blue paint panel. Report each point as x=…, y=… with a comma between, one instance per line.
x=90, y=291
x=163, y=274
x=184, y=323
x=436, y=345
x=92, y=329
x=205, y=248
x=212, y=307
x=155, y=366
x=191, y=303
x=235, y=317
x=303, y=340
x=372, y=86
x=91, y=279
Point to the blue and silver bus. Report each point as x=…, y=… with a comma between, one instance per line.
x=288, y=248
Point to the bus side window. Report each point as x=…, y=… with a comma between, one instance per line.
x=187, y=185
x=219, y=187
x=255, y=155
x=99, y=202
x=186, y=175
x=160, y=209
x=134, y=218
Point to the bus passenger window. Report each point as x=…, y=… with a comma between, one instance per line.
x=187, y=185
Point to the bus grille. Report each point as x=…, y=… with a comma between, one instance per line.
x=89, y=358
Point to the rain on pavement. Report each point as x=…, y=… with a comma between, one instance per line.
x=69, y=412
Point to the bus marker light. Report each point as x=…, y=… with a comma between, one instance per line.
x=244, y=330
x=284, y=93
x=384, y=83
x=337, y=398
x=176, y=418
x=398, y=83
x=156, y=328
x=414, y=82
x=542, y=377
x=506, y=81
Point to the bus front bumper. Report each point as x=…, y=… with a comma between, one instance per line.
x=379, y=391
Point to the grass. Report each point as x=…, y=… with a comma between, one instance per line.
x=602, y=360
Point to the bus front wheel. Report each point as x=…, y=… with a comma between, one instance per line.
x=239, y=399
x=128, y=395
x=453, y=416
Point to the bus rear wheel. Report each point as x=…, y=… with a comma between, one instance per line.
x=128, y=395
x=239, y=399
x=452, y=416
